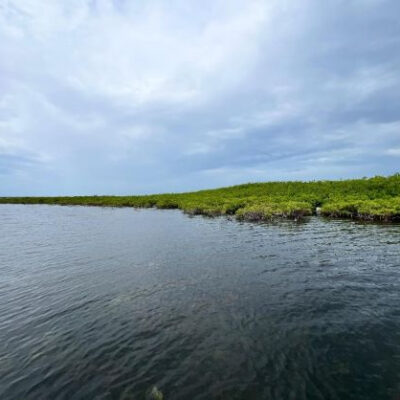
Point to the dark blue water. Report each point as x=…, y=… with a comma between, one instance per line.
x=100, y=303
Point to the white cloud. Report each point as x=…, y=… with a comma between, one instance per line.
x=150, y=94
x=394, y=152
x=137, y=55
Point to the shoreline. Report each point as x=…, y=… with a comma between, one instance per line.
x=229, y=217
x=373, y=199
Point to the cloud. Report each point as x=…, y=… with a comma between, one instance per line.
x=394, y=152
x=10, y=163
x=137, y=97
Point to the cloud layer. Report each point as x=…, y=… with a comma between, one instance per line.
x=124, y=97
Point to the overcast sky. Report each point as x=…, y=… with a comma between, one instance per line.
x=124, y=97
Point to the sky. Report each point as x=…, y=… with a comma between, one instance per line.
x=135, y=97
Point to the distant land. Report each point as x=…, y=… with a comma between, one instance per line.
x=375, y=199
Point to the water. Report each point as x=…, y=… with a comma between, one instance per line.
x=100, y=303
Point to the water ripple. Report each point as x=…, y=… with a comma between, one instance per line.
x=106, y=303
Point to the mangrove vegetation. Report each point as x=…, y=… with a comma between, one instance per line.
x=375, y=198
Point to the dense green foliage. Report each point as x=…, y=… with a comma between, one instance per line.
x=375, y=198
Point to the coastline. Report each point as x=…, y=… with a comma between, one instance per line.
x=373, y=199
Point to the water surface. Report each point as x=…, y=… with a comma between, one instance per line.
x=101, y=303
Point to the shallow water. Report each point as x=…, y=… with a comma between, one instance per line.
x=100, y=303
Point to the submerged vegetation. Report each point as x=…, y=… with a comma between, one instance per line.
x=375, y=198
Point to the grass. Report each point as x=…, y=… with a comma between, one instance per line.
x=375, y=198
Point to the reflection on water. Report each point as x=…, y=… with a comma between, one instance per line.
x=100, y=303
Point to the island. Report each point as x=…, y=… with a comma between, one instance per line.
x=370, y=199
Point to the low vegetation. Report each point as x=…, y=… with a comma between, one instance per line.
x=375, y=198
